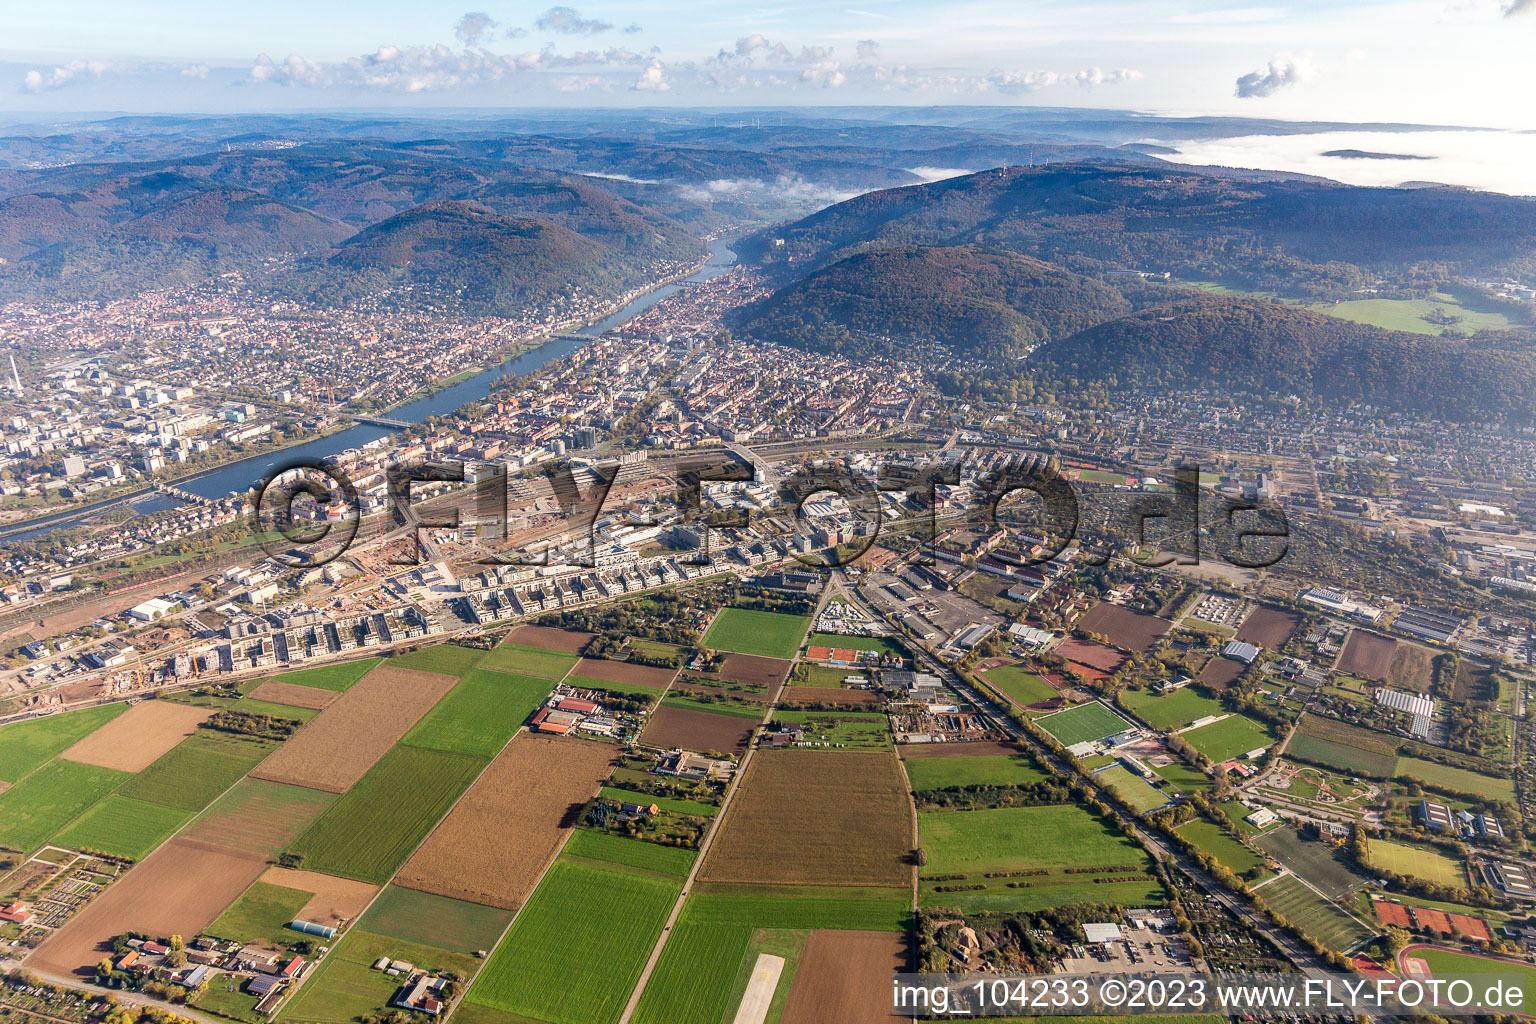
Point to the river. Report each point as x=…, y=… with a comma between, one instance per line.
x=242, y=475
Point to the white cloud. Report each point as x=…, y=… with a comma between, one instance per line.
x=652, y=79
x=568, y=21
x=867, y=49
x=1283, y=72
x=60, y=76
x=473, y=26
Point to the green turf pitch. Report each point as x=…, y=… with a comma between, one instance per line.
x=1231, y=737
x=1314, y=915
x=1170, y=710
x=768, y=634
x=1018, y=685
x=1082, y=724
x=1133, y=789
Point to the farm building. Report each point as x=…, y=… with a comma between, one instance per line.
x=422, y=994
x=264, y=984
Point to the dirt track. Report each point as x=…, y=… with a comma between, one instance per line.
x=135, y=739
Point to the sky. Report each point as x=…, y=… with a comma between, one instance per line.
x=1455, y=62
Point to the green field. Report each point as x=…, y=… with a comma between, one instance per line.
x=1410, y=314
x=1351, y=750
x=1448, y=963
x=331, y=677
x=267, y=707
x=530, y=661
x=454, y=925
x=882, y=644
x=480, y=714
x=1231, y=737
x=1428, y=864
x=261, y=816
x=695, y=982
x=195, y=771
x=1170, y=710
x=647, y=693
x=929, y=773
x=50, y=798
x=1022, y=841
x=1230, y=853
x=666, y=803
x=1086, y=722
x=577, y=948
x=223, y=998
x=1018, y=685
x=346, y=987
x=370, y=830
x=1315, y=861
x=769, y=634
x=1132, y=788
x=261, y=914
x=445, y=659
x=588, y=844
x=852, y=730
x=1314, y=915
x=26, y=745
x=1187, y=778
x=123, y=827
x=1457, y=780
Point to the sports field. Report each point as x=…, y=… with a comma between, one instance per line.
x=1317, y=862
x=1448, y=963
x=1018, y=685
x=1457, y=780
x=1231, y=737
x=1230, y=853
x=1314, y=915
x=928, y=773
x=768, y=634
x=1170, y=710
x=480, y=714
x=27, y=745
x=702, y=971
x=1133, y=789
x=1082, y=724
x=370, y=830
x=1423, y=863
x=576, y=950
x=1036, y=858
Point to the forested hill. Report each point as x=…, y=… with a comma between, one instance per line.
x=1300, y=238
x=1272, y=350
x=996, y=305
x=456, y=255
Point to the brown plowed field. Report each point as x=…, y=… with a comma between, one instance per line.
x=135, y=739
x=698, y=730
x=259, y=817
x=816, y=817
x=336, y=900
x=1367, y=655
x=1132, y=630
x=1220, y=673
x=1268, y=628
x=495, y=843
x=753, y=669
x=974, y=749
x=1093, y=655
x=624, y=672
x=695, y=686
x=828, y=695
x=846, y=977
x=551, y=639
x=342, y=742
x=177, y=890
x=293, y=695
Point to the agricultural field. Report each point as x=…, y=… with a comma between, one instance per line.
x=1230, y=853
x=480, y=714
x=536, y=781
x=1347, y=748
x=1039, y=856
x=337, y=678
x=345, y=740
x=261, y=914
x=1095, y=656
x=333, y=901
x=442, y=659
x=25, y=746
x=1018, y=685
x=674, y=725
x=1268, y=628
x=624, y=672
x=414, y=916
x=41, y=804
x=816, y=817
x=752, y=670
x=845, y=976
x=199, y=768
x=590, y=845
x=841, y=730
x=766, y=634
x=1133, y=789
x=1231, y=737
x=1324, y=867
x=371, y=829
x=122, y=827
x=134, y=740
x=177, y=890
x=262, y=817
x=1314, y=915
x=1427, y=864
x=930, y=773
x=530, y=661
x=576, y=950
x=312, y=698
x=1125, y=628
x=550, y=638
x=828, y=695
x=1169, y=711
x=1394, y=662
x=704, y=967
x=1220, y=673
x=1083, y=723
x=1457, y=780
